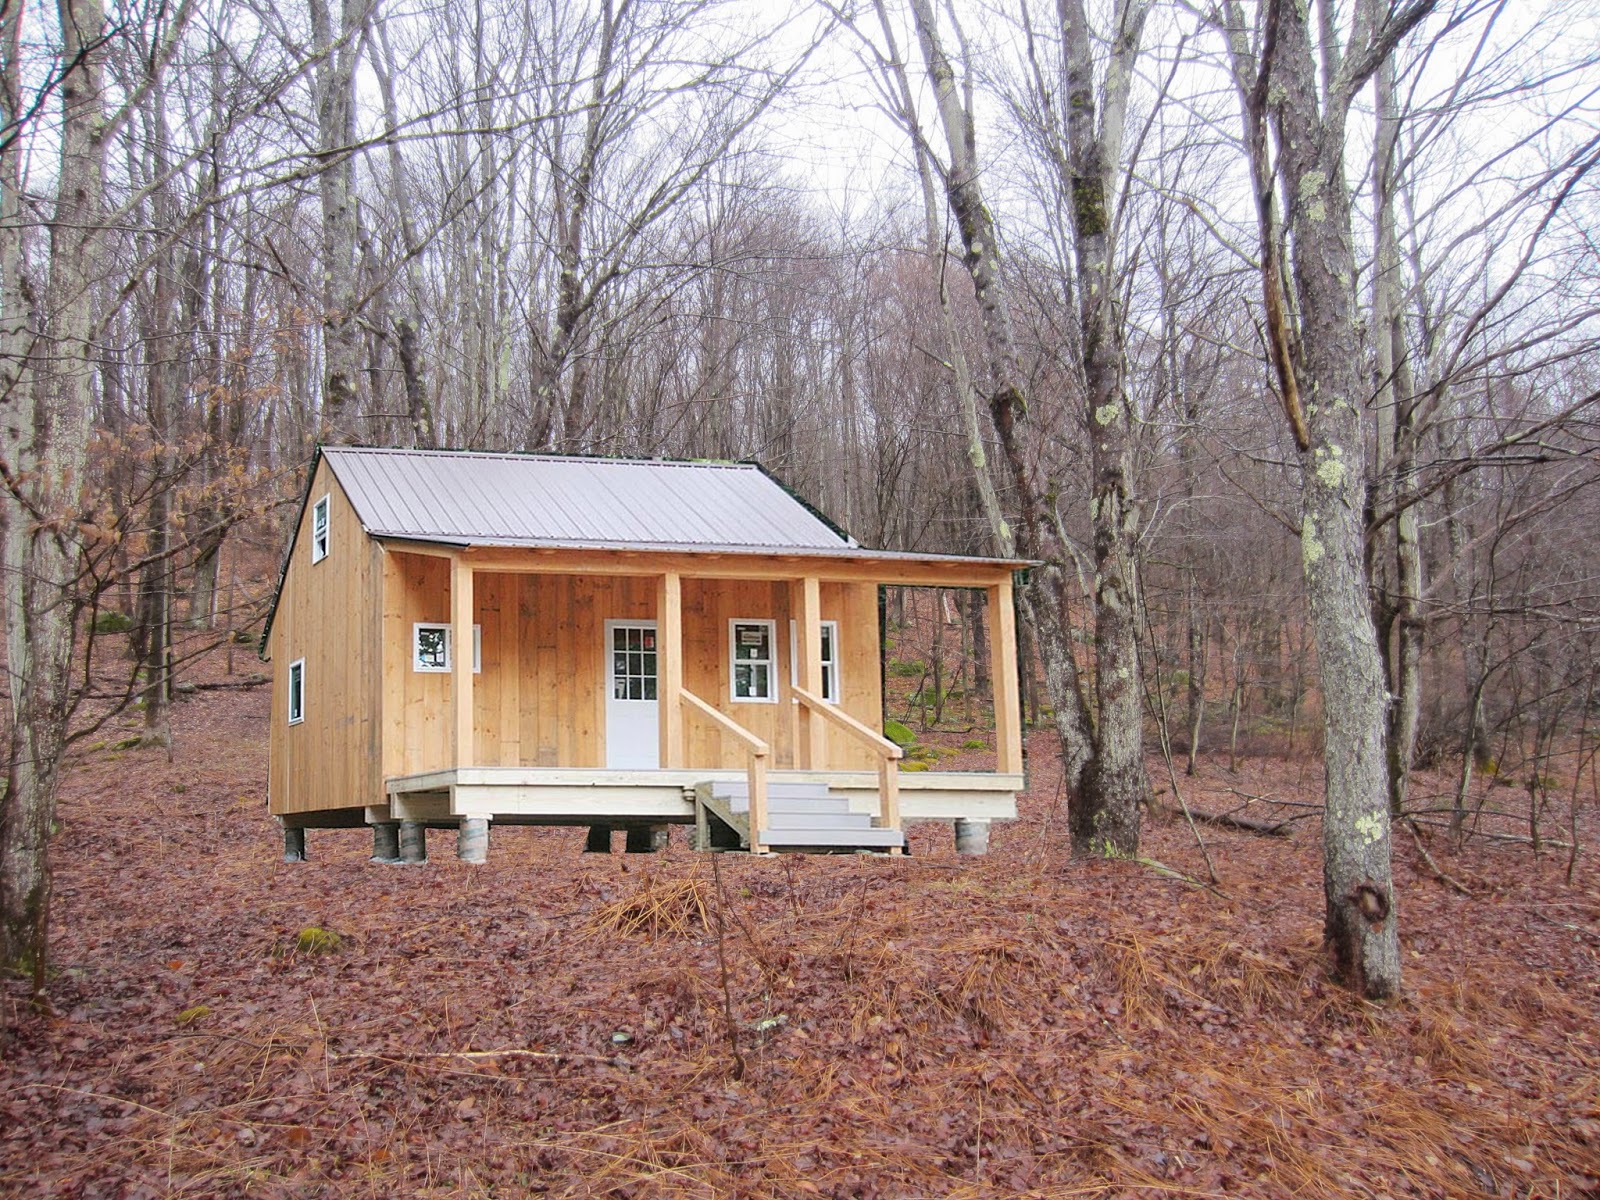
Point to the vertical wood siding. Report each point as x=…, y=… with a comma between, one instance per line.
x=540, y=699
x=328, y=614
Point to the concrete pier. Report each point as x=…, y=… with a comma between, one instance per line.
x=294, y=844
x=972, y=837
x=648, y=839
x=386, y=841
x=472, y=840
x=413, y=842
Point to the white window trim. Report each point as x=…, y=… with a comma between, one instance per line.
x=449, y=656
x=733, y=659
x=830, y=666
x=320, y=542
x=297, y=667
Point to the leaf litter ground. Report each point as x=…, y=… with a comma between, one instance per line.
x=557, y=1023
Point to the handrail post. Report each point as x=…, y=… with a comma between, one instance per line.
x=888, y=755
x=888, y=793
x=758, y=752
x=758, y=800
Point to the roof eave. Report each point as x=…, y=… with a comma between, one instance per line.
x=398, y=539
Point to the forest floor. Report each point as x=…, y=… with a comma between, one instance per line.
x=676, y=1024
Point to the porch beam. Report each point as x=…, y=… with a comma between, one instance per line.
x=461, y=661
x=1002, y=618
x=669, y=667
x=806, y=599
x=712, y=565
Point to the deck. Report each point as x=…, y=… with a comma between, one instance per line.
x=563, y=796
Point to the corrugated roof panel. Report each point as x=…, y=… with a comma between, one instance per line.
x=509, y=499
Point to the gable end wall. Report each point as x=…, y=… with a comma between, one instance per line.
x=329, y=613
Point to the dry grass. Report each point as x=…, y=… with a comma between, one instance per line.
x=659, y=908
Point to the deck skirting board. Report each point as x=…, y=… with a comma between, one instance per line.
x=560, y=796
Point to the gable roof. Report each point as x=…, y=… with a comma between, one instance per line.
x=481, y=499
x=467, y=498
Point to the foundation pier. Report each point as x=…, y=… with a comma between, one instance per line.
x=386, y=841
x=413, y=842
x=472, y=841
x=648, y=839
x=598, y=841
x=972, y=837
x=294, y=844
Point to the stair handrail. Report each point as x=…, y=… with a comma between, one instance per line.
x=889, y=754
x=756, y=768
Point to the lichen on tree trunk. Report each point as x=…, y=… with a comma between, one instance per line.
x=1308, y=114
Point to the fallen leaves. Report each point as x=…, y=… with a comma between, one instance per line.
x=1015, y=1025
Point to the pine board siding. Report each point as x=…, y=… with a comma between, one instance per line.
x=540, y=698
x=328, y=614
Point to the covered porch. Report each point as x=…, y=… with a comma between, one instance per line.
x=633, y=689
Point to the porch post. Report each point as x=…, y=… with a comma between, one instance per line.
x=1007, y=706
x=812, y=748
x=669, y=667
x=461, y=660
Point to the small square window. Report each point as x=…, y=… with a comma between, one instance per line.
x=319, y=530
x=752, y=652
x=297, y=691
x=430, y=648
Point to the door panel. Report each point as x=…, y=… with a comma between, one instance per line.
x=633, y=719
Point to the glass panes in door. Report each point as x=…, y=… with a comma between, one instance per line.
x=633, y=662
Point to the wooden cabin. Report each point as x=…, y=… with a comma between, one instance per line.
x=464, y=639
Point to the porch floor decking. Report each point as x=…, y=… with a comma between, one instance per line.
x=563, y=796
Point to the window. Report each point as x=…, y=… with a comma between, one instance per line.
x=319, y=530
x=633, y=662
x=752, y=653
x=830, y=659
x=297, y=691
x=430, y=647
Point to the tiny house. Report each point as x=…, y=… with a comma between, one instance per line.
x=466, y=639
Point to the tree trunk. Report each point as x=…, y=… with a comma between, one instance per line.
x=341, y=332
x=1044, y=601
x=1396, y=404
x=1108, y=822
x=419, y=419
x=1360, y=925
x=1197, y=670
x=47, y=436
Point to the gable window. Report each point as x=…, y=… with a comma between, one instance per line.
x=753, y=658
x=430, y=647
x=297, y=691
x=830, y=659
x=319, y=530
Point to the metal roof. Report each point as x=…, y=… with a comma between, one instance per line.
x=475, y=498
x=480, y=499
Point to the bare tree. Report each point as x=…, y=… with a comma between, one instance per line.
x=1303, y=81
x=1103, y=752
x=46, y=440
x=338, y=50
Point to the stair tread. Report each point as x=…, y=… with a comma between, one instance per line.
x=832, y=837
x=819, y=821
x=838, y=806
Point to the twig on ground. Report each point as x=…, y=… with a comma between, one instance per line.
x=1245, y=824
x=416, y=1055
x=722, y=963
x=1438, y=872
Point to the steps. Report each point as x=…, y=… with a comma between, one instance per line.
x=802, y=818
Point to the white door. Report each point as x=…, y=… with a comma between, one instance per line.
x=633, y=719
